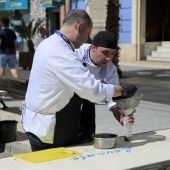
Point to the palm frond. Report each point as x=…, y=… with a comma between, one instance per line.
x=37, y=26
x=29, y=31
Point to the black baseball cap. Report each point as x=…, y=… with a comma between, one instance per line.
x=105, y=39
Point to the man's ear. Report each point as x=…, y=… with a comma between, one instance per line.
x=93, y=47
x=80, y=26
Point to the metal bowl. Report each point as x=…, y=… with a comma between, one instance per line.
x=104, y=140
x=129, y=103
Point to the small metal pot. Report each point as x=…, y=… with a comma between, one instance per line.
x=104, y=140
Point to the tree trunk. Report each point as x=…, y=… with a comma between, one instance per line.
x=112, y=25
x=30, y=46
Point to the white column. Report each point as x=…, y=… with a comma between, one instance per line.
x=138, y=26
x=64, y=9
x=98, y=12
x=62, y=13
x=134, y=21
x=67, y=4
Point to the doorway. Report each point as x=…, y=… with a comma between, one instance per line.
x=157, y=20
x=54, y=20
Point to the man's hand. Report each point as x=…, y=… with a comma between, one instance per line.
x=128, y=90
x=131, y=119
x=119, y=115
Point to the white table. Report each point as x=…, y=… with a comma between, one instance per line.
x=149, y=150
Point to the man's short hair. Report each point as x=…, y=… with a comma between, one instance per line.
x=105, y=39
x=5, y=21
x=77, y=15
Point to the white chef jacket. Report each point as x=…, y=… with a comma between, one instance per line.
x=57, y=73
x=108, y=73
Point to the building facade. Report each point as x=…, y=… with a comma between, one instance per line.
x=144, y=24
x=144, y=28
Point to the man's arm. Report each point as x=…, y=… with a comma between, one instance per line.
x=126, y=91
x=119, y=115
x=118, y=91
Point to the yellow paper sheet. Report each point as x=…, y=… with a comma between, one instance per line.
x=47, y=155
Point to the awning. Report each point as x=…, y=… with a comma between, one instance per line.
x=14, y=4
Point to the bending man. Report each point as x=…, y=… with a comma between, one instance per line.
x=58, y=80
x=97, y=57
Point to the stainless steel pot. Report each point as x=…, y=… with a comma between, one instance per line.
x=104, y=140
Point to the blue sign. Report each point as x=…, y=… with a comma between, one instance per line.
x=52, y=3
x=14, y=5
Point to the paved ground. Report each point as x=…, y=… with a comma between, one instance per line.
x=153, y=112
x=154, y=84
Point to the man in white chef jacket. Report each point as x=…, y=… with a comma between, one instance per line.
x=97, y=57
x=58, y=82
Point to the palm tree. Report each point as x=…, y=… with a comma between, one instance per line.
x=28, y=32
x=112, y=25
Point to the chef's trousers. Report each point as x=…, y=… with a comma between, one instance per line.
x=87, y=121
